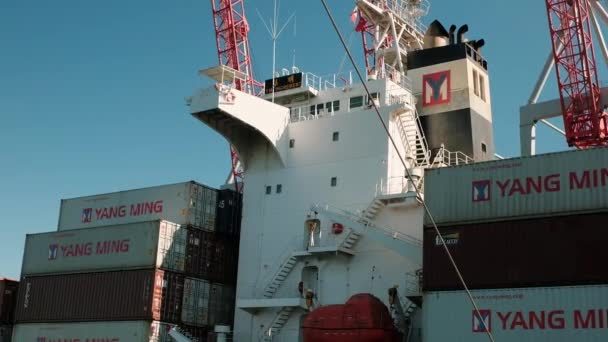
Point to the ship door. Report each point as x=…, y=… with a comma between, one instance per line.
x=310, y=282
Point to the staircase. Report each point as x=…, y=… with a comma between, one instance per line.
x=180, y=335
x=280, y=276
x=412, y=137
x=351, y=239
x=373, y=209
x=279, y=321
x=402, y=313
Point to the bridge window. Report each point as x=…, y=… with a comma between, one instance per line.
x=320, y=108
x=375, y=96
x=475, y=82
x=268, y=190
x=292, y=143
x=279, y=188
x=334, y=181
x=482, y=87
x=356, y=101
x=336, y=105
x=335, y=136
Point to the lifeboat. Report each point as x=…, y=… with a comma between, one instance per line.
x=363, y=318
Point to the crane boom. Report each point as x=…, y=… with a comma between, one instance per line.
x=584, y=116
x=232, y=39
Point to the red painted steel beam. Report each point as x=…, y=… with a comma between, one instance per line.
x=584, y=117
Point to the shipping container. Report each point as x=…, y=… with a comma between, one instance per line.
x=567, y=250
x=150, y=244
x=540, y=314
x=125, y=295
x=207, y=304
x=6, y=333
x=228, y=213
x=212, y=256
x=114, y=331
x=542, y=185
x=186, y=203
x=8, y=301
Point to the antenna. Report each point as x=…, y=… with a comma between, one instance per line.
x=274, y=32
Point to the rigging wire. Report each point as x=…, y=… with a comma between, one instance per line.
x=418, y=193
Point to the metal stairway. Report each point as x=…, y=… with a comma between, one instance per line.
x=351, y=240
x=179, y=335
x=403, y=244
x=412, y=137
x=373, y=209
x=402, y=313
x=280, y=276
x=279, y=321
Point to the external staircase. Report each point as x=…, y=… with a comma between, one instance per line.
x=180, y=335
x=279, y=322
x=412, y=136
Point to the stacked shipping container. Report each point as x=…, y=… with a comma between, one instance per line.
x=8, y=301
x=115, y=262
x=520, y=230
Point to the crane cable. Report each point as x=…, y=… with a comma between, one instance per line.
x=418, y=193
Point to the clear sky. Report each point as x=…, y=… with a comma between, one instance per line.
x=92, y=92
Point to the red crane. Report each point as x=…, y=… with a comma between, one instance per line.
x=585, y=120
x=231, y=34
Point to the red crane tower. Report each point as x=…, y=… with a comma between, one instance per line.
x=231, y=34
x=584, y=117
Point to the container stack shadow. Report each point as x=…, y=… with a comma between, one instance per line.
x=132, y=265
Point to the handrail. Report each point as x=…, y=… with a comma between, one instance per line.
x=359, y=219
x=278, y=264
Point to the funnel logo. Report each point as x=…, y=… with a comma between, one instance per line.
x=436, y=88
x=481, y=191
x=482, y=321
x=53, y=251
x=86, y=215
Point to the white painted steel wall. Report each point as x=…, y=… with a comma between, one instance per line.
x=138, y=245
x=273, y=224
x=542, y=314
x=182, y=203
x=134, y=331
x=542, y=185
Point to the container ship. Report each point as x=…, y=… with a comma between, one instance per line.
x=356, y=210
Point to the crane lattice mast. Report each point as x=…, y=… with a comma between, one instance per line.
x=584, y=116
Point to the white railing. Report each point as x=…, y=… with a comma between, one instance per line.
x=445, y=157
x=327, y=82
x=295, y=244
x=392, y=185
x=303, y=113
x=368, y=224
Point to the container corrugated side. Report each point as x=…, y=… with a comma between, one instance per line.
x=542, y=185
x=113, y=331
x=137, y=245
x=8, y=300
x=228, y=214
x=549, y=251
x=126, y=295
x=207, y=304
x=186, y=203
x=211, y=256
x=555, y=314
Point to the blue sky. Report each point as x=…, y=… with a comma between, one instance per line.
x=92, y=92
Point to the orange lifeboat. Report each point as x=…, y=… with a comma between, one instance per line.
x=363, y=318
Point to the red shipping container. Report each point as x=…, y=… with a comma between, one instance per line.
x=554, y=251
x=125, y=295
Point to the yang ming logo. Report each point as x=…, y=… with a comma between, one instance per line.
x=87, y=214
x=53, y=251
x=482, y=321
x=481, y=191
x=436, y=88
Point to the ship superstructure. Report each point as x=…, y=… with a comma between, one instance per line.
x=328, y=209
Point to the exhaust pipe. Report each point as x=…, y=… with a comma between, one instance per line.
x=452, y=38
x=461, y=31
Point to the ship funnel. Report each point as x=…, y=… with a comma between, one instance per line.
x=435, y=36
x=460, y=34
x=452, y=38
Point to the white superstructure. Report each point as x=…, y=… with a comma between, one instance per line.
x=320, y=152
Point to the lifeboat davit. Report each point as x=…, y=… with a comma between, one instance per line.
x=363, y=318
